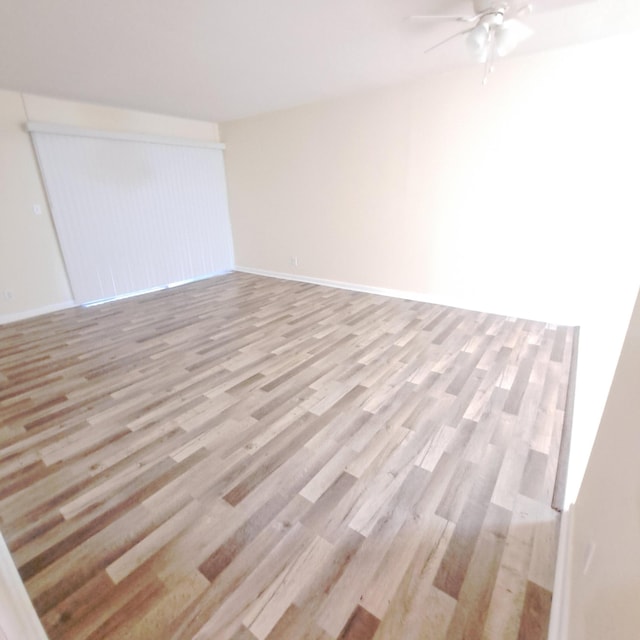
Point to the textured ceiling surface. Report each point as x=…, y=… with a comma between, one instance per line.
x=225, y=59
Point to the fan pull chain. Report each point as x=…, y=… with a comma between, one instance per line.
x=491, y=54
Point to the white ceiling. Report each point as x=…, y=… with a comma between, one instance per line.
x=225, y=59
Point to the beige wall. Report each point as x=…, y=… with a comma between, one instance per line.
x=31, y=266
x=604, y=601
x=95, y=116
x=519, y=197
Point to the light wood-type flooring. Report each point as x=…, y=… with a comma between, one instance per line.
x=246, y=457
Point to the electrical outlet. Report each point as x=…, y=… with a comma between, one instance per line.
x=7, y=294
x=37, y=209
x=294, y=261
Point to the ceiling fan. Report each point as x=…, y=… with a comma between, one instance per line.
x=494, y=29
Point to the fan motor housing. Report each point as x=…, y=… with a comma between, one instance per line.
x=493, y=19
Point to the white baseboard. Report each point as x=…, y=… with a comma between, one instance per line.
x=67, y=304
x=472, y=305
x=32, y=313
x=560, y=605
x=18, y=619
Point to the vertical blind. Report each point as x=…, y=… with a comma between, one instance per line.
x=134, y=214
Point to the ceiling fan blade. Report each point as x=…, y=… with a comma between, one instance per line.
x=455, y=35
x=441, y=17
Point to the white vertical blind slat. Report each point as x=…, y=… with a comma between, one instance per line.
x=134, y=215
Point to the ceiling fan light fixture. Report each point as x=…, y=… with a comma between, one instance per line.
x=492, y=35
x=477, y=41
x=509, y=35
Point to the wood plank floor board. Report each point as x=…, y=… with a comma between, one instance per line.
x=469, y=617
x=346, y=592
x=296, y=623
x=245, y=458
x=453, y=569
x=418, y=609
